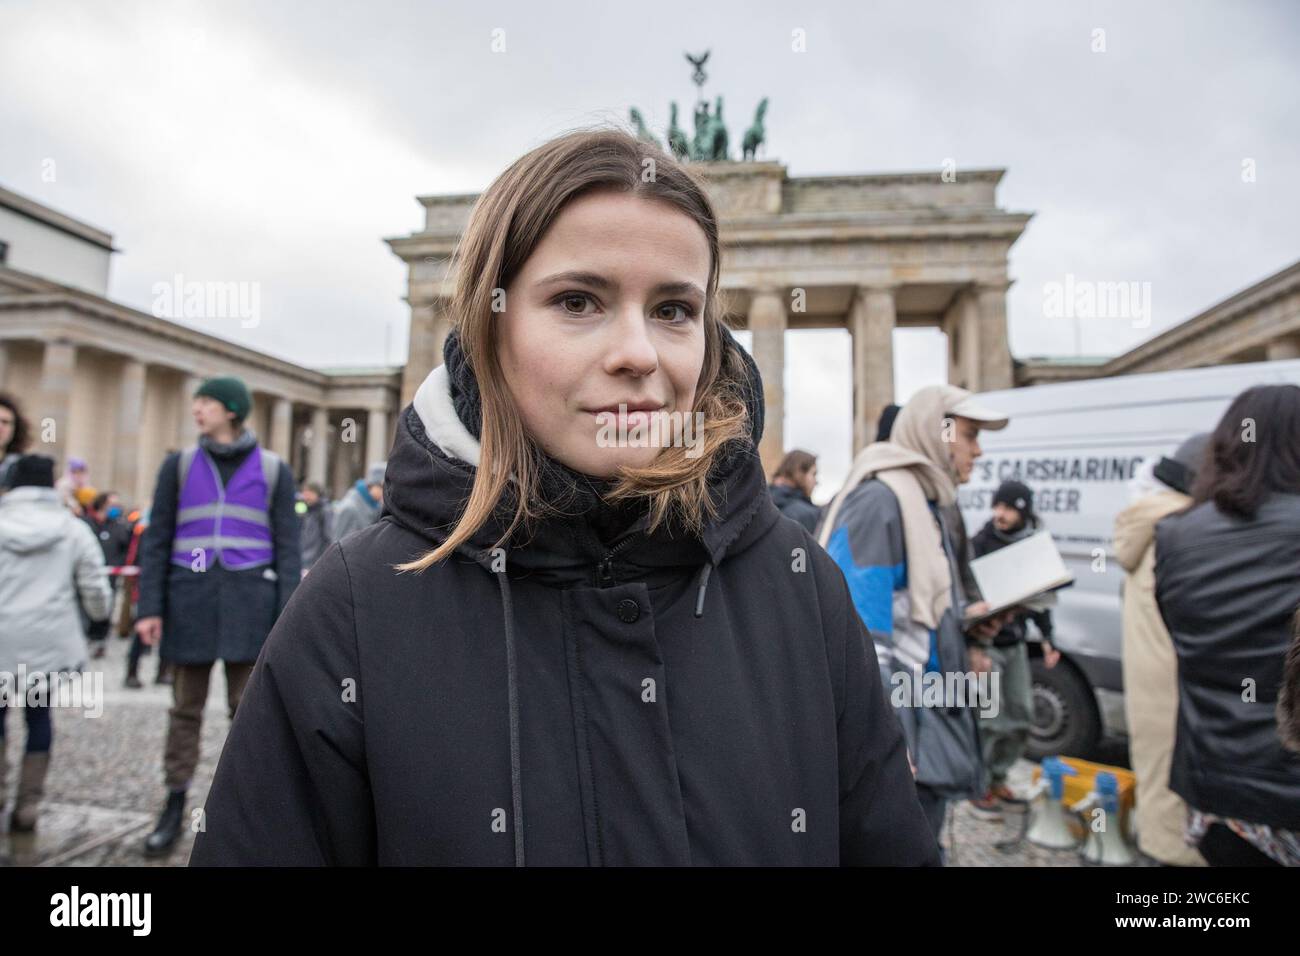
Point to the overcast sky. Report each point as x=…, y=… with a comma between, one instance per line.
x=278, y=143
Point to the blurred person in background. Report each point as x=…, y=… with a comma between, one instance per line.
x=317, y=523
x=1005, y=734
x=792, y=487
x=1227, y=585
x=361, y=506
x=75, y=478
x=103, y=515
x=15, y=436
x=1160, y=488
x=51, y=567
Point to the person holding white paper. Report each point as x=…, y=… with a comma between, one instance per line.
x=1005, y=734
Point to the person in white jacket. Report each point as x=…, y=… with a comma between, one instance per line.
x=49, y=560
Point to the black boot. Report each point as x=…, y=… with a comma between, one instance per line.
x=168, y=830
x=132, y=672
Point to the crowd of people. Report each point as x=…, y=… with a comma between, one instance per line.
x=555, y=651
x=75, y=564
x=1210, y=544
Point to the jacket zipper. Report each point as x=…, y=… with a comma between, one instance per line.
x=605, y=569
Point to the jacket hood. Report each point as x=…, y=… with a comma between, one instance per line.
x=782, y=494
x=32, y=519
x=1135, y=526
x=432, y=467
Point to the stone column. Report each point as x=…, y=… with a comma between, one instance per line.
x=4, y=361
x=1287, y=347
x=995, y=354
x=126, y=438
x=872, y=318
x=967, y=326
x=429, y=327
x=378, y=438
x=320, y=436
x=282, y=428
x=186, y=431
x=58, y=364
x=767, y=324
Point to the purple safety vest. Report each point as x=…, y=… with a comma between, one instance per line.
x=231, y=524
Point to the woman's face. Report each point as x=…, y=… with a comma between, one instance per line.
x=608, y=310
x=8, y=425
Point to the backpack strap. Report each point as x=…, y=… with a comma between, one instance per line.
x=270, y=474
x=183, y=462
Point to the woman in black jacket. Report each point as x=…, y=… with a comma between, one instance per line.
x=579, y=634
x=1228, y=585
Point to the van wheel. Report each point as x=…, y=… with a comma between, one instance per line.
x=1066, y=721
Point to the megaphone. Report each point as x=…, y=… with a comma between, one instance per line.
x=1047, y=824
x=1105, y=843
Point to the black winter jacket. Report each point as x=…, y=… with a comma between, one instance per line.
x=1228, y=590
x=654, y=699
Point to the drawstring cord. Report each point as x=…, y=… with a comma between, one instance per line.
x=512, y=694
x=704, y=584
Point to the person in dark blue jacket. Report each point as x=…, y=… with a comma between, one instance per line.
x=792, y=487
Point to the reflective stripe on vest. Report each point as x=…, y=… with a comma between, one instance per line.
x=229, y=524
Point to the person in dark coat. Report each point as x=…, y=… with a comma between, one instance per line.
x=554, y=649
x=317, y=516
x=792, y=487
x=104, y=517
x=218, y=563
x=1228, y=585
x=1004, y=736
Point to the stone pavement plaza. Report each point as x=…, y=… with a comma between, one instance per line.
x=104, y=789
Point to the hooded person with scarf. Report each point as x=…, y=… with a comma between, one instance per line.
x=603, y=683
x=886, y=531
x=1160, y=488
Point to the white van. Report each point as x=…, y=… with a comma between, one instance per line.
x=1077, y=444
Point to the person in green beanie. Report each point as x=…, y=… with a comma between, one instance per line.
x=219, y=560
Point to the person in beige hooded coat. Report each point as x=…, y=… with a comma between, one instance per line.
x=1150, y=665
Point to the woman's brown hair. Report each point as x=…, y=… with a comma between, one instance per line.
x=505, y=226
x=1253, y=452
x=22, y=436
x=795, y=465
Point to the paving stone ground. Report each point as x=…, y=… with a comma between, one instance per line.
x=105, y=790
